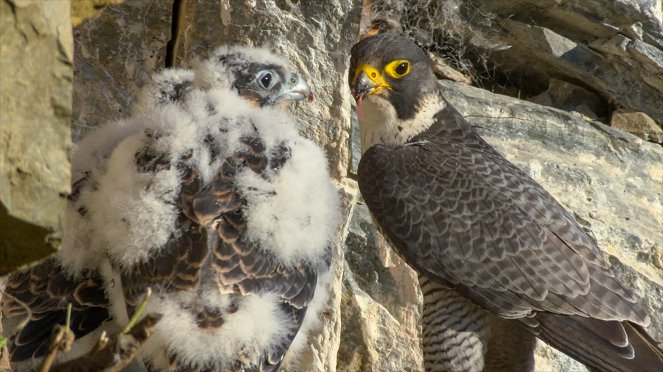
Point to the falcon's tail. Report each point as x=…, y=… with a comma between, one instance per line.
x=602, y=345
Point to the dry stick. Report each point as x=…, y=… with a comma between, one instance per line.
x=61, y=340
x=128, y=344
x=116, y=353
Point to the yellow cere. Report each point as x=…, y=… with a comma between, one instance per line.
x=372, y=73
x=398, y=68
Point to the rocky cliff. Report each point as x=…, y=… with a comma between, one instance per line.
x=35, y=98
x=573, y=79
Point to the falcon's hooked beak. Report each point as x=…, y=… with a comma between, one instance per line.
x=295, y=89
x=367, y=81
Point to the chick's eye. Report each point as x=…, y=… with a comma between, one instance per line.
x=266, y=80
x=401, y=69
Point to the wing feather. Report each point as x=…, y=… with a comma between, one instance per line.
x=211, y=231
x=462, y=214
x=41, y=295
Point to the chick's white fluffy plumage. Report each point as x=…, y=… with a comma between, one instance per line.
x=219, y=206
x=288, y=210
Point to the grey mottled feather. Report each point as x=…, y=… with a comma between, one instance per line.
x=465, y=217
x=458, y=335
x=455, y=330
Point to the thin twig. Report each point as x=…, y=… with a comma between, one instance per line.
x=138, y=312
x=4, y=359
x=68, y=320
x=128, y=345
x=61, y=340
x=115, y=353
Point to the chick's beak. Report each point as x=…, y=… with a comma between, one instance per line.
x=295, y=89
x=367, y=80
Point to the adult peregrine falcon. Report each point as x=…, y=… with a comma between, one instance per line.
x=210, y=197
x=485, y=238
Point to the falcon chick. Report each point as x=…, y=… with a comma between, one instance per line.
x=485, y=238
x=213, y=199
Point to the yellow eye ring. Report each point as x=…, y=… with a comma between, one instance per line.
x=398, y=68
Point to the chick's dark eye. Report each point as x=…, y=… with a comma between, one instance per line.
x=266, y=80
x=401, y=69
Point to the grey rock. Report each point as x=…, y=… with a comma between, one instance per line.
x=37, y=46
x=381, y=304
x=116, y=53
x=637, y=123
x=570, y=97
x=84, y=9
x=615, y=45
x=543, y=53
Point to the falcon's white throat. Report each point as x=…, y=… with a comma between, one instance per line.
x=379, y=123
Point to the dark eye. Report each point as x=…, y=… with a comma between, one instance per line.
x=401, y=69
x=266, y=80
x=397, y=68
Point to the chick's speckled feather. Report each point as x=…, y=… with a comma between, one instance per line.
x=41, y=295
x=210, y=233
x=213, y=249
x=217, y=204
x=235, y=220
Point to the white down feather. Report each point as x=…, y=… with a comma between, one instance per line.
x=292, y=213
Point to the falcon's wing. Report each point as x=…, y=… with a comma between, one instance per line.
x=211, y=232
x=40, y=295
x=463, y=215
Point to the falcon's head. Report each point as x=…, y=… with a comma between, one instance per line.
x=390, y=69
x=396, y=90
x=257, y=74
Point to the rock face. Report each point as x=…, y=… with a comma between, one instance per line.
x=637, y=123
x=115, y=54
x=35, y=96
x=83, y=9
x=610, y=48
x=584, y=63
x=381, y=304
